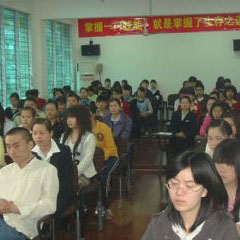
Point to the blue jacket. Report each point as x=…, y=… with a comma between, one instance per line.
x=121, y=128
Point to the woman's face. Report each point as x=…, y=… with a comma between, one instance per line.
x=41, y=135
x=229, y=94
x=71, y=122
x=114, y=107
x=185, y=104
x=185, y=194
x=233, y=126
x=227, y=173
x=27, y=119
x=215, y=136
x=217, y=112
x=209, y=104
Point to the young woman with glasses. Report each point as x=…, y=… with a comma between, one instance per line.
x=198, y=202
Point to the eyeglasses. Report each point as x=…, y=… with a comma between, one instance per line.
x=187, y=189
x=215, y=138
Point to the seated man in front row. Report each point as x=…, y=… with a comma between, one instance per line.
x=28, y=188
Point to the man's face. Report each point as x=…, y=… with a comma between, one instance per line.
x=14, y=102
x=72, y=101
x=18, y=148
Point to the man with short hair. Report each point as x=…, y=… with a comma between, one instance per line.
x=29, y=188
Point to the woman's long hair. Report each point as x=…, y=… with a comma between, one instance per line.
x=228, y=152
x=83, y=119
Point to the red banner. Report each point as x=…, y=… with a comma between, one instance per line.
x=99, y=27
x=194, y=23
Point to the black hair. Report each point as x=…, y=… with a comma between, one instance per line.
x=216, y=104
x=192, y=79
x=117, y=90
x=61, y=100
x=92, y=107
x=73, y=94
x=67, y=88
x=153, y=81
x=223, y=126
x=101, y=98
x=54, y=102
x=228, y=152
x=187, y=91
x=142, y=89
x=15, y=95
x=32, y=93
x=115, y=100
x=215, y=93
x=45, y=122
x=144, y=81
x=90, y=88
x=83, y=88
x=204, y=173
x=124, y=82
x=57, y=90
x=108, y=80
x=83, y=118
x=220, y=83
x=199, y=84
x=227, y=80
x=231, y=88
x=116, y=84
x=127, y=87
x=26, y=135
x=185, y=97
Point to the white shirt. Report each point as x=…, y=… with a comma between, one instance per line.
x=54, y=149
x=84, y=154
x=33, y=189
x=187, y=236
x=209, y=151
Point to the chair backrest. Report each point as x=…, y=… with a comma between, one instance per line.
x=98, y=159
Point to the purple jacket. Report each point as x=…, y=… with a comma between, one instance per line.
x=121, y=128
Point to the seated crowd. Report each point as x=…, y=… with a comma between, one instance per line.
x=65, y=131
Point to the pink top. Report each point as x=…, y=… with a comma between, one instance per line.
x=206, y=122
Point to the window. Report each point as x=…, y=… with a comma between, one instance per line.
x=59, y=55
x=15, y=52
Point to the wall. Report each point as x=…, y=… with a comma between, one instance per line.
x=169, y=58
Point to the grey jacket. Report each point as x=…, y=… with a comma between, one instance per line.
x=215, y=228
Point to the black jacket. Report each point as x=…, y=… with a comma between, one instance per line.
x=188, y=125
x=64, y=164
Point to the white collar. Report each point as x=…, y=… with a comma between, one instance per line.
x=54, y=149
x=186, y=236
